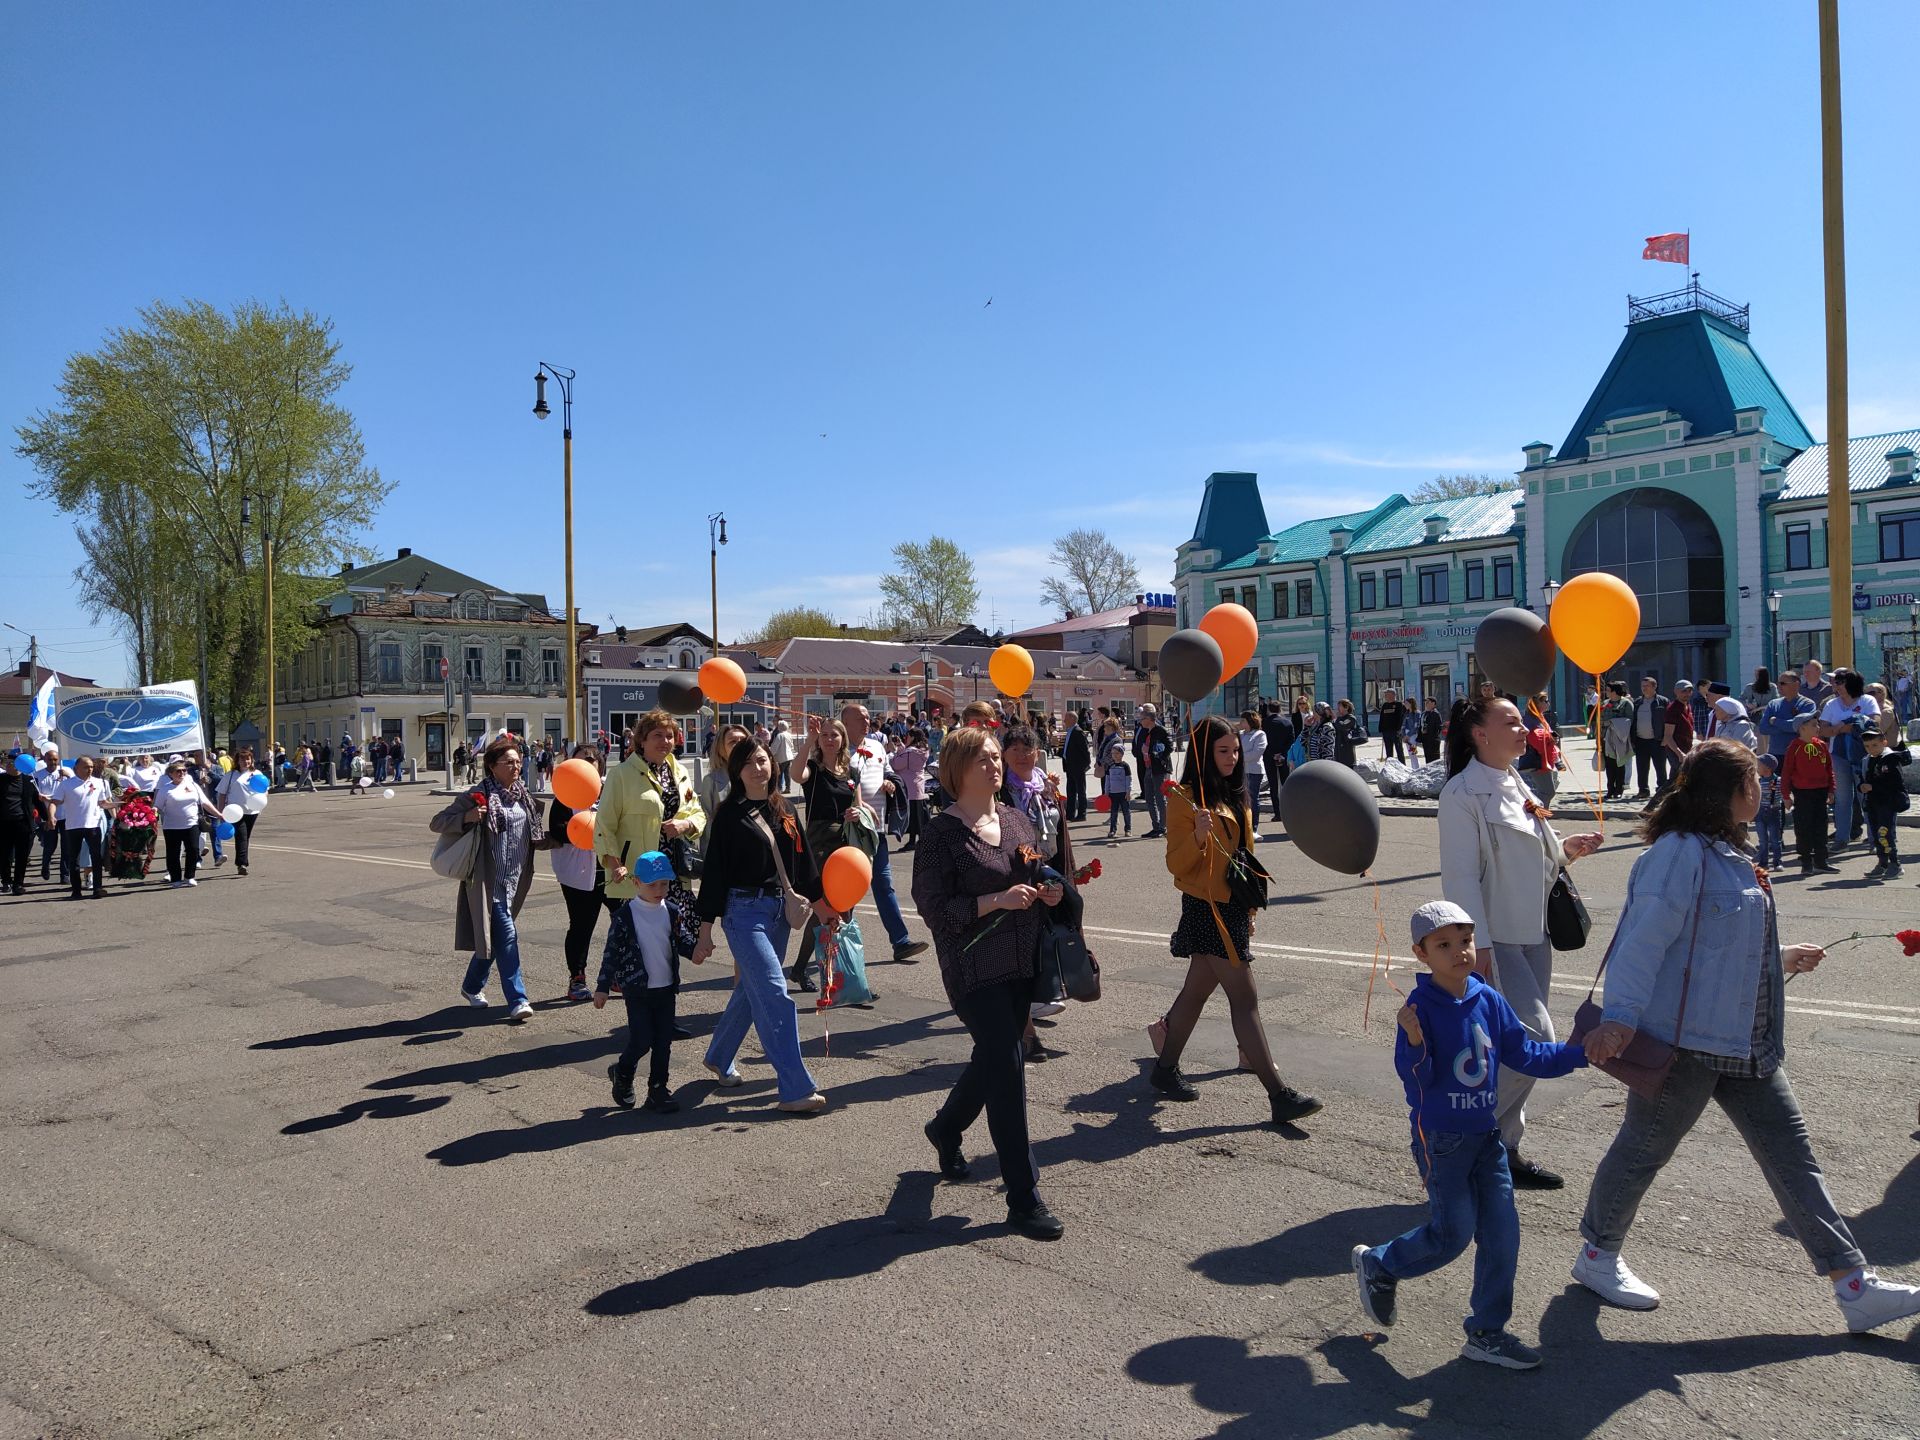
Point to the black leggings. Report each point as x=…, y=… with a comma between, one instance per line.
x=583, y=913
x=16, y=844
x=1205, y=973
x=242, y=833
x=183, y=841
x=995, y=1080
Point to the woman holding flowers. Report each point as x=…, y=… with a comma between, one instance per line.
x=491, y=898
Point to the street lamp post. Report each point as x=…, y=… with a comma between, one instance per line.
x=1361, y=651
x=716, y=537
x=564, y=378
x=926, y=683
x=1913, y=651
x=266, y=567
x=1548, y=590
x=974, y=672
x=1773, y=632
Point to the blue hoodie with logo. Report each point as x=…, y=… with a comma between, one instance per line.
x=1453, y=1079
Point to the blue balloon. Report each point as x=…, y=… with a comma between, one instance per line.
x=223, y=831
x=25, y=764
x=259, y=783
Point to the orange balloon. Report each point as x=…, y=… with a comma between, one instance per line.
x=580, y=829
x=1012, y=669
x=722, y=680
x=845, y=878
x=576, y=784
x=1594, y=619
x=1234, y=627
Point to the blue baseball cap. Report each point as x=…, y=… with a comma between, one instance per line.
x=651, y=866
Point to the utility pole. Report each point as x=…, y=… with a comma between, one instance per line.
x=1834, y=237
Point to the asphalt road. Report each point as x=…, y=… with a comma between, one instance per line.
x=268, y=1176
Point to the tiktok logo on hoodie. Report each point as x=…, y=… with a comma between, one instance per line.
x=1471, y=1068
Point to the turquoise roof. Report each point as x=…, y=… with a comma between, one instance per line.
x=1232, y=516
x=1470, y=517
x=1309, y=540
x=1695, y=364
x=1867, y=467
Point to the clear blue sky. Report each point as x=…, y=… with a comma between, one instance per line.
x=1344, y=246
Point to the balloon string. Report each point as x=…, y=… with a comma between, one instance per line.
x=1382, y=959
x=1599, y=752
x=1220, y=923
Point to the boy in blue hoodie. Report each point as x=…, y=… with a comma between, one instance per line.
x=1455, y=1034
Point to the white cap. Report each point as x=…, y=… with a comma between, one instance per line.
x=1435, y=913
x=1730, y=707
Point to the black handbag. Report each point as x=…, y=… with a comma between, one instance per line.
x=1247, y=880
x=1568, y=923
x=1065, y=952
x=686, y=860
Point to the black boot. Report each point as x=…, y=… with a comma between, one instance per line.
x=660, y=1100
x=1168, y=1080
x=1290, y=1105
x=802, y=981
x=622, y=1085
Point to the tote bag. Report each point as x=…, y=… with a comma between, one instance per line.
x=455, y=854
x=845, y=958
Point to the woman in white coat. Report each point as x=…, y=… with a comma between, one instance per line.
x=1498, y=860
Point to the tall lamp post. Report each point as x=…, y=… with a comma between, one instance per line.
x=1773, y=632
x=266, y=568
x=1547, y=591
x=1913, y=651
x=564, y=378
x=716, y=537
x=926, y=684
x=973, y=671
x=1361, y=651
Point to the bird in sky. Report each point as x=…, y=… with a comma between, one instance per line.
x=989, y=302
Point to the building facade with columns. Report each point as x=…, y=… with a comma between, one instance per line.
x=1687, y=473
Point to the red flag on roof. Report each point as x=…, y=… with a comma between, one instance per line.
x=1667, y=247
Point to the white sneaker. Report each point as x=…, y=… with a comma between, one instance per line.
x=812, y=1105
x=1041, y=1009
x=726, y=1079
x=477, y=999
x=1607, y=1275
x=1867, y=1300
x=522, y=1010
x=191, y=881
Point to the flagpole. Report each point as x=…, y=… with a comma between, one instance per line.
x=1833, y=216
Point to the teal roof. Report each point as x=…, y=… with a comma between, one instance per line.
x=1695, y=364
x=1309, y=539
x=1232, y=516
x=1867, y=467
x=1471, y=517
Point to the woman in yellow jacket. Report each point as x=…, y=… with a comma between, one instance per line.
x=648, y=803
x=1207, y=821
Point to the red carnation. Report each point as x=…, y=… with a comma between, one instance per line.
x=479, y=797
x=1909, y=941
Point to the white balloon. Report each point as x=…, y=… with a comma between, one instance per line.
x=387, y=794
x=252, y=801
x=232, y=814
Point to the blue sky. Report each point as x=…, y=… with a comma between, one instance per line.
x=1346, y=247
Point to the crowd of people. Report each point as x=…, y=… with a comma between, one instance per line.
x=680, y=866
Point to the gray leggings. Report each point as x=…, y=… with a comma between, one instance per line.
x=1768, y=1118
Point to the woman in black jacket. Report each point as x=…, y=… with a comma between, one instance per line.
x=1348, y=731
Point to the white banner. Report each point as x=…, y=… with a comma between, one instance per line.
x=156, y=720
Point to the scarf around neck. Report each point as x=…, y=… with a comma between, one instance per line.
x=499, y=795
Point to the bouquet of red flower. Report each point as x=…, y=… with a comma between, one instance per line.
x=138, y=814
x=479, y=797
x=130, y=845
x=1089, y=871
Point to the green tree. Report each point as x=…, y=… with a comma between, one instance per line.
x=1459, y=487
x=161, y=438
x=932, y=588
x=810, y=620
x=1096, y=574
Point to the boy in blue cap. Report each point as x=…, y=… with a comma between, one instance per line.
x=640, y=959
x=1455, y=1034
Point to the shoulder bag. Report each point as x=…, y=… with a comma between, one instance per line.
x=1247, y=881
x=1063, y=951
x=797, y=908
x=1568, y=923
x=455, y=854
x=1642, y=1067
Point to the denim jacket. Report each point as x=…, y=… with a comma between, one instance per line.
x=1679, y=880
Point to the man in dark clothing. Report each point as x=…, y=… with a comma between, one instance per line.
x=1153, y=749
x=1393, y=719
x=1432, y=727
x=1075, y=756
x=1649, y=728
x=1279, y=738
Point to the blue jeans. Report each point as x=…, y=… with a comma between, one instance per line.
x=1846, y=797
x=884, y=900
x=756, y=929
x=506, y=952
x=1771, y=825
x=1470, y=1195
x=1119, y=807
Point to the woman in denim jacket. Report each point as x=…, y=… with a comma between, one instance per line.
x=1699, y=921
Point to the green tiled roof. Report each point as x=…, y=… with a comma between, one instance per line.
x=416, y=573
x=1867, y=467
x=1693, y=363
x=1472, y=517
x=1309, y=539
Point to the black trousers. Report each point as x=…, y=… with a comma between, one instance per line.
x=72, y=842
x=1810, y=827
x=242, y=833
x=16, y=844
x=649, y=1031
x=50, y=847
x=182, y=841
x=1396, y=746
x=1883, y=825
x=583, y=913
x=1616, y=776
x=1076, y=794
x=1650, y=754
x=1431, y=749
x=995, y=1080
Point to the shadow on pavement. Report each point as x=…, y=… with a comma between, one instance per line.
x=1594, y=1379
x=1888, y=1233
x=386, y=1107
x=844, y=1250
x=1320, y=1247
x=1132, y=1105
x=387, y=1030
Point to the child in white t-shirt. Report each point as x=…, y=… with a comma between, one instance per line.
x=640, y=959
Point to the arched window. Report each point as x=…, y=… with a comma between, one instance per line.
x=473, y=606
x=686, y=660
x=1665, y=547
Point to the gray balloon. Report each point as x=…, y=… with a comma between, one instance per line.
x=680, y=695
x=1331, y=815
x=1190, y=664
x=1516, y=651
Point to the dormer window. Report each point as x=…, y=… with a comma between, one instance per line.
x=473, y=606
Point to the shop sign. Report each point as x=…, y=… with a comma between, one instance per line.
x=1885, y=600
x=1391, y=632
x=1086, y=689
x=1157, y=600
x=1456, y=632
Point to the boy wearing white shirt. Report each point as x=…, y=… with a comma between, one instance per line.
x=80, y=805
x=640, y=959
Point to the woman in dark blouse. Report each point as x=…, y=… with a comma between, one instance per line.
x=740, y=886
x=975, y=883
x=821, y=771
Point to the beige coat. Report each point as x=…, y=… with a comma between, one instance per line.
x=470, y=928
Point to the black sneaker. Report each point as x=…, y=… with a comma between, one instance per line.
x=1877, y=871
x=659, y=1100
x=1036, y=1222
x=1497, y=1347
x=1290, y=1105
x=1168, y=1080
x=1377, y=1288
x=1529, y=1176
x=908, y=953
x=953, y=1165
x=622, y=1087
